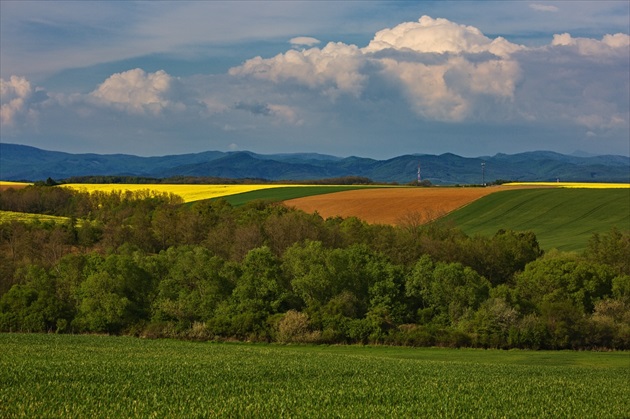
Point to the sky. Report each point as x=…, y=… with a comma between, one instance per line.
x=373, y=79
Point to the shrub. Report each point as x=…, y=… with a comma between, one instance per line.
x=294, y=327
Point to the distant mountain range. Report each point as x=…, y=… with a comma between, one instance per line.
x=19, y=162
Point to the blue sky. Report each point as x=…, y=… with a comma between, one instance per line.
x=367, y=78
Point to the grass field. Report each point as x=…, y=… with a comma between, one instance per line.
x=8, y=216
x=99, y=376
x=561, y=218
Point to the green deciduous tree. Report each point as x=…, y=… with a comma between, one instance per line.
x=611, y=249
x=115, y=296
x=563, y=277
x=191, y=285
x=33, y=305
x=260, y=291
x=498, y=258
x=447, y=291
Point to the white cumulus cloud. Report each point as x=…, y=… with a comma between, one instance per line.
x=450, y=72
x=543, y=7
x=440, y=36
x=340, y=68
x=471, y=67
x=137, y=91
x=304, y=40
x=334, y=68
x=14, y=94
x=610, y=44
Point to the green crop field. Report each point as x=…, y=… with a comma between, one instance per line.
x=100, y=376
x=561, y=218
x=8, y=216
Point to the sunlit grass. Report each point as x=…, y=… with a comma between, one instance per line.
x=590, y=185
x=561, y=218
x=9, y=216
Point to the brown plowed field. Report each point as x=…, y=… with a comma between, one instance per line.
x=391, y=205
x=4, y=187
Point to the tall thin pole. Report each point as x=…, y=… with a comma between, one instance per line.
x=419, y=178
x=483, y=173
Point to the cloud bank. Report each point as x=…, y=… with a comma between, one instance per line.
x=409, y=76
x=454, y=73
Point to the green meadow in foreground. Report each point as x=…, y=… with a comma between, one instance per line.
x=564, y=219
x=99, y=376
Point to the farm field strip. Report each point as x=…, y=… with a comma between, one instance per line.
x=73, y=375
x=11, y=183
x=8, y=216
x=292, y=192
x=4, y=184
x=586, y=185
x=392, y=206
x=561, y=218
x=191, y=193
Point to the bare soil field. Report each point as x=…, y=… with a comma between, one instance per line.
x=392, y=206
x=12, y=185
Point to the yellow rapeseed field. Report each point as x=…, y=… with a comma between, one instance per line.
x=572, y=184
x=8, y=184
x=188, y=193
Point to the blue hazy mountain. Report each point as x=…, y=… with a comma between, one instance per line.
x=19, y=162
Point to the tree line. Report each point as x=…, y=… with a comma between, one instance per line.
x=207, y=180
x=146, y=264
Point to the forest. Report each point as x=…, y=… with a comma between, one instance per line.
x=146, y=264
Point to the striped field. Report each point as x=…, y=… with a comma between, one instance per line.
x=562, y=218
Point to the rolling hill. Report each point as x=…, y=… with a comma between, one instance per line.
x=19, y=162
x=561, y=218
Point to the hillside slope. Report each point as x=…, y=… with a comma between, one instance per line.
x=561, y=218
